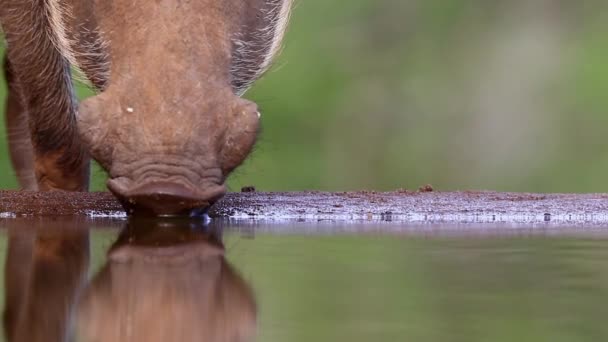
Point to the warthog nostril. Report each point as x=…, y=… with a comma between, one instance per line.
x=167, y=198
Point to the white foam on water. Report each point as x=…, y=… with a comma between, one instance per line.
x=7, y=215
x=424, y=217
x=105, y=214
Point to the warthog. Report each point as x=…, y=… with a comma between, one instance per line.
x=168, y=123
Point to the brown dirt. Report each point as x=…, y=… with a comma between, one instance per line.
x=399, y=206
x=57, y=203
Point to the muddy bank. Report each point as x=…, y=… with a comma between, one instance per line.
x=398, y=206
x=57, y=203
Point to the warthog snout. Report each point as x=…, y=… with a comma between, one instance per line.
x=167, y=198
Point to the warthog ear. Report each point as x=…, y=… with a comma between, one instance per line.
x=258, y=41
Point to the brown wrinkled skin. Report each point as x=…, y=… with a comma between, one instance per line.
x=168, y=125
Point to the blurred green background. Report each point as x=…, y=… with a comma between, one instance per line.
x=462, y=94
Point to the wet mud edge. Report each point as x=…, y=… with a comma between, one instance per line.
x=397, y=206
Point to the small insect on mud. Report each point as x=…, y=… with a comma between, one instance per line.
x=168, y=123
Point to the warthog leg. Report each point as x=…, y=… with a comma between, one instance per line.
x=19, y=142
x=43, y=73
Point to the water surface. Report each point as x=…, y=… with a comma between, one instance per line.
x=182, y=280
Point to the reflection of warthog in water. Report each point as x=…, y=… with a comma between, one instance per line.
x=159, y=284
x=183, y=293
x=168, y=125
x=46, y=265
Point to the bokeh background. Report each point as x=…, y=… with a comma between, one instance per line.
x=462, y=94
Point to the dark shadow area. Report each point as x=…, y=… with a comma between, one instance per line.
x=163, y=280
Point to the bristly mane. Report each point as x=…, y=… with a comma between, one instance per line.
x=56, y=13
x=255, y=48
x=255, y=51
x=87, y=55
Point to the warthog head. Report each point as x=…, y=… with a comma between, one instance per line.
x=170, y=125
